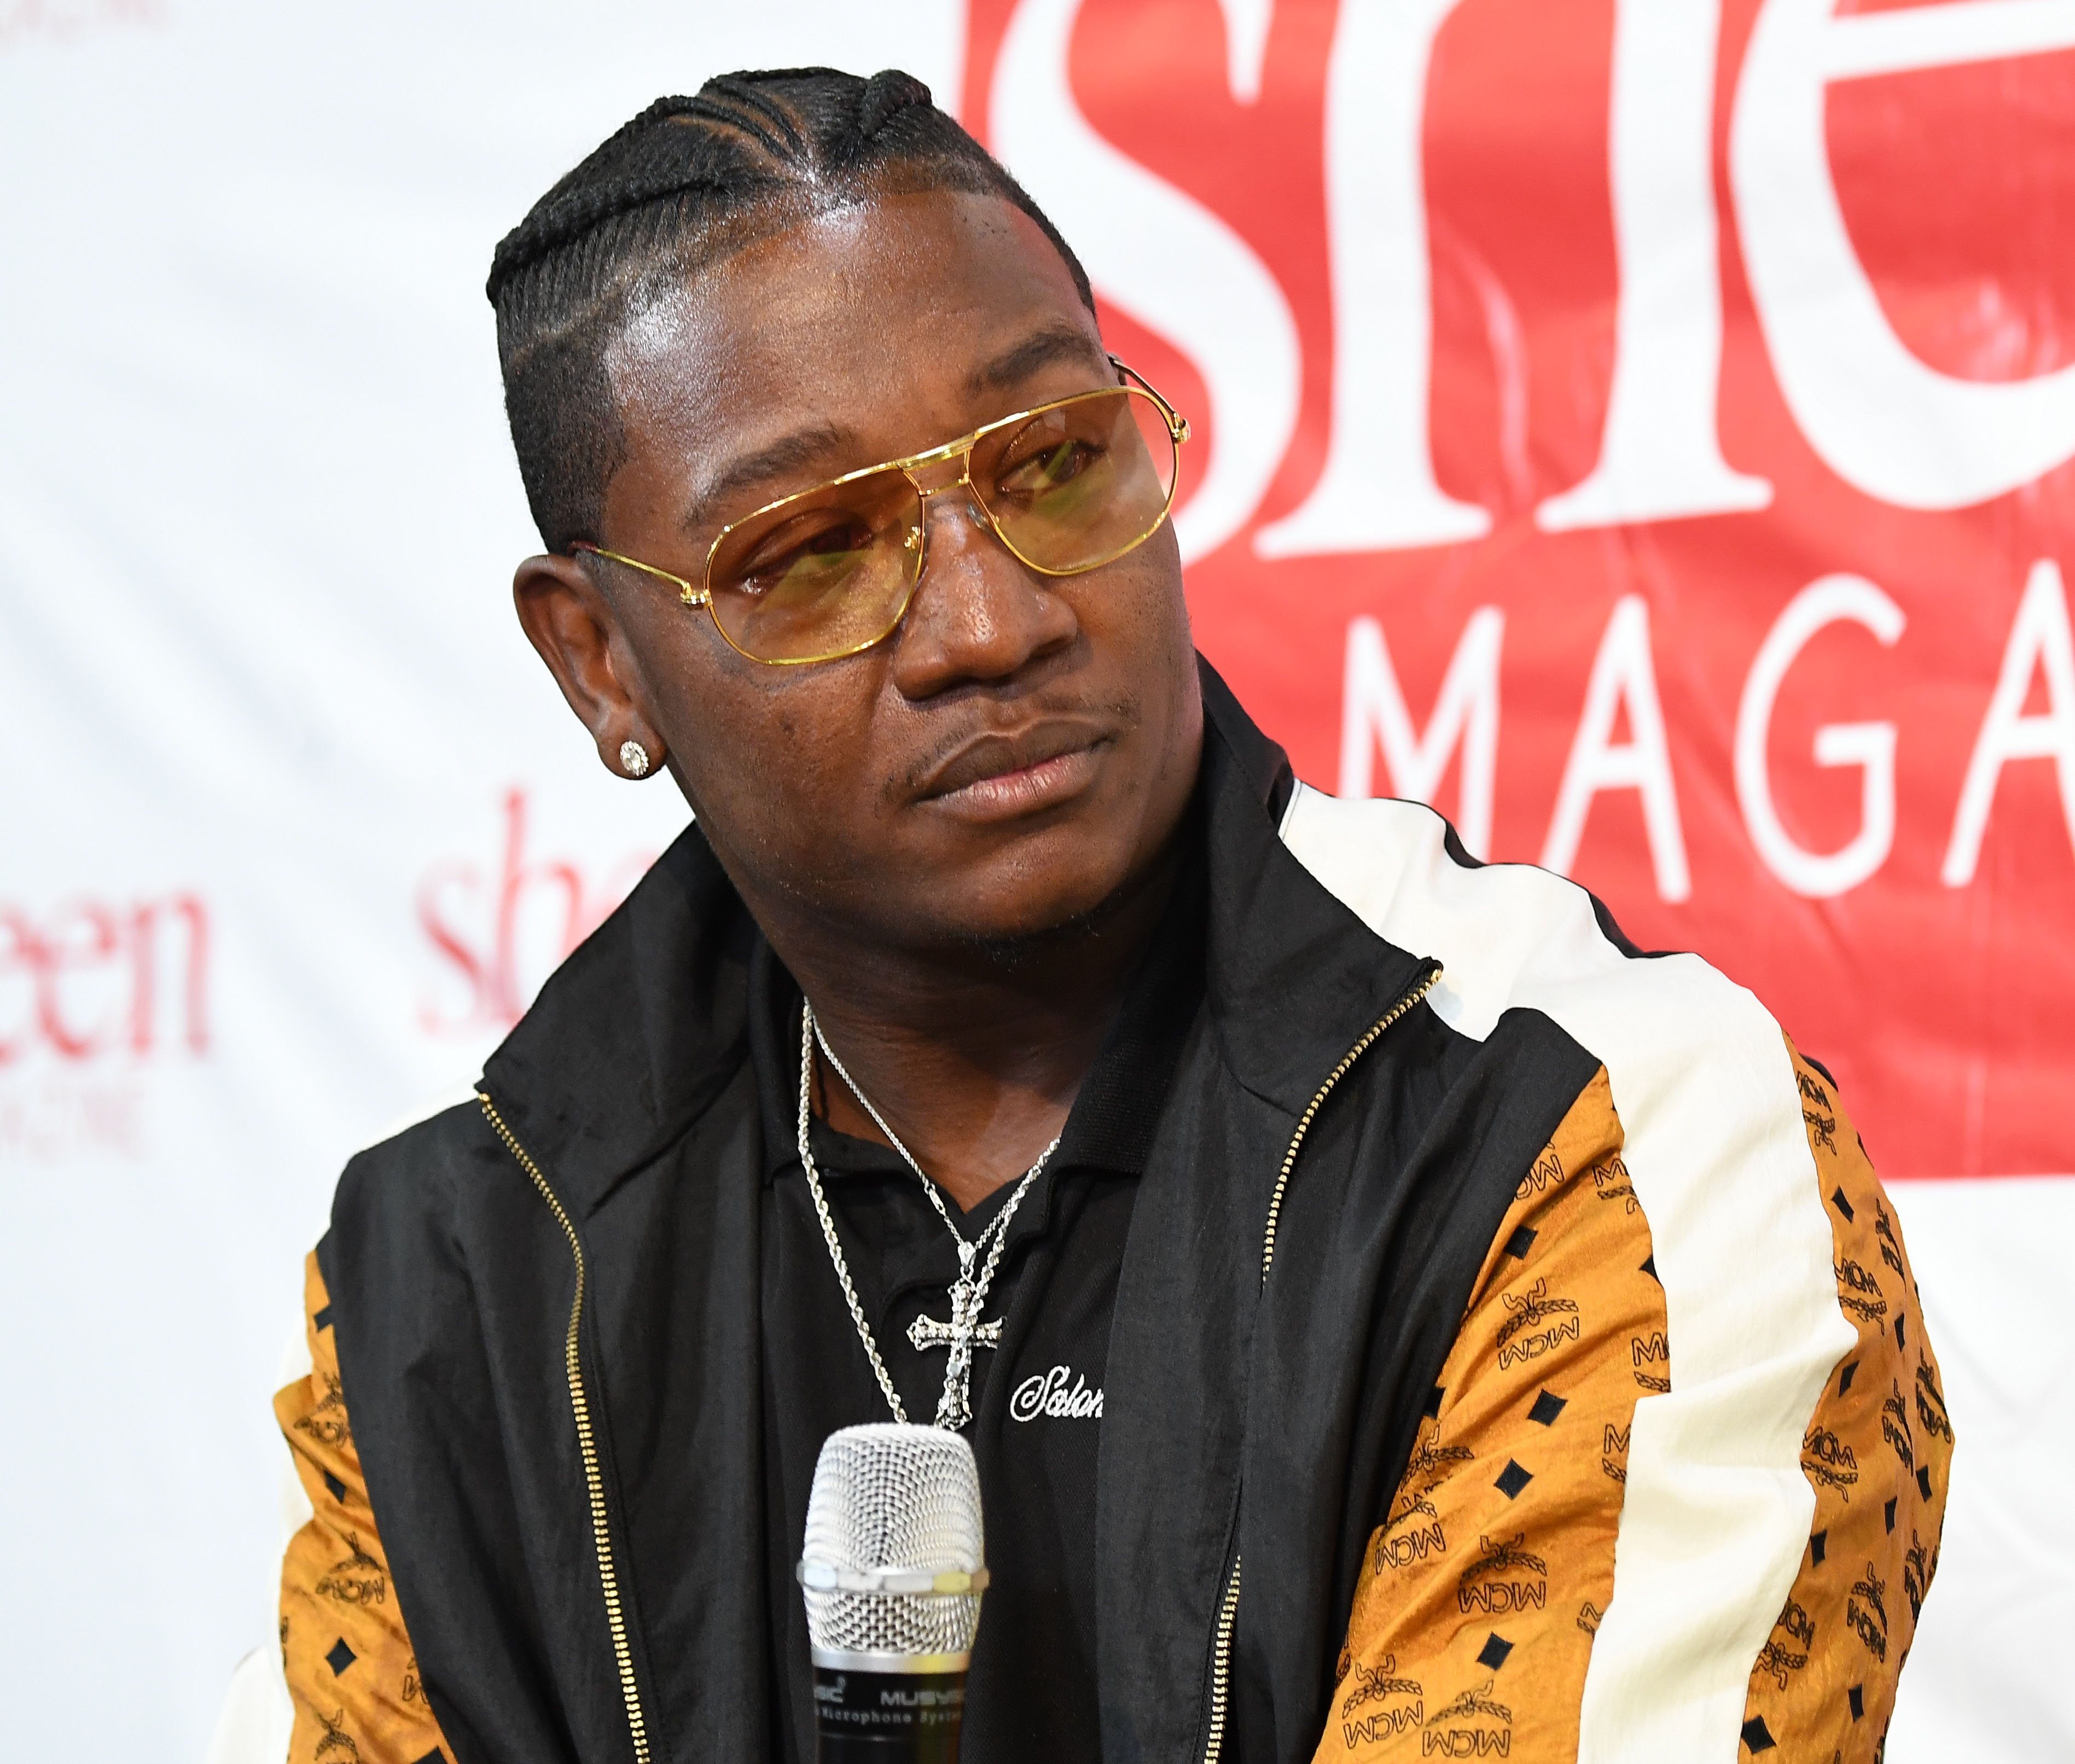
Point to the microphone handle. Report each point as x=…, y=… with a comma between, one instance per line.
x=887, y=1717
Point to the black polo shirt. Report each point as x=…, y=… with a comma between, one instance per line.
x=1035, y=1399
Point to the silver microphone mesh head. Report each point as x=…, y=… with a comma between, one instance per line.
x=893, y=1496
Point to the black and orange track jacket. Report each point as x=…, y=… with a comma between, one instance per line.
x=1515, y=1356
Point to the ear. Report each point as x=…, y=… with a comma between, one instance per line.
x=574, y=628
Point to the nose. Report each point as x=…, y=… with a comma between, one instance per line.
x=978, y=614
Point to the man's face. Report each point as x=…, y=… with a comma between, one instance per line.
x=1020, y=750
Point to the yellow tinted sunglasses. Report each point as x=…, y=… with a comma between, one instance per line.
x=1066, y=487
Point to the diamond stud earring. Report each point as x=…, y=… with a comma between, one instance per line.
x=635, y=758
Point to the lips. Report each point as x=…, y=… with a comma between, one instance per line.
x=1024, y=769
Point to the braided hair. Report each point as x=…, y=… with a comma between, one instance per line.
x=684, y=183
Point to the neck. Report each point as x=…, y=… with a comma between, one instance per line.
x=974, y=1057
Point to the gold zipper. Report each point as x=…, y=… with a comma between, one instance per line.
x=586, y=1445
x=1214, y=1744
x=1425, y=985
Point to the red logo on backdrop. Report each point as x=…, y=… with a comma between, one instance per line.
x=92, y=979
x=501, y=927
x=1642, y=428
x=93, y=991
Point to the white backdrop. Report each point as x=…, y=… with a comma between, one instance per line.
x=291, y=821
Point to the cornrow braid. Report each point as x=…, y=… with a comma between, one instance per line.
x=669, y=192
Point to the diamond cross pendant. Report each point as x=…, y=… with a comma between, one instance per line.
x=960, y=1336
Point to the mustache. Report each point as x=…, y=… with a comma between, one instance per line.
x=993, y=741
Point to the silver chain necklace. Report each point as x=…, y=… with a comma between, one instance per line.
x=968, y=1294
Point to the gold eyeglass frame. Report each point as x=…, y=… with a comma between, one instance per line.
x=1134, y=384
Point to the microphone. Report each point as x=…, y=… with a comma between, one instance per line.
x=893, y=1570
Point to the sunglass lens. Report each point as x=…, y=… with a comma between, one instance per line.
x=1080, y=483
x=822, y=574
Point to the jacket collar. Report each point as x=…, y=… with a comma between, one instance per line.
x=637, y=1033
x=1294, y=977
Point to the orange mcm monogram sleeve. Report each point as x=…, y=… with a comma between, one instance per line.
x=1473, y=1623
x=1474, y=1617
x=1877, y=1452
x=351, y=1672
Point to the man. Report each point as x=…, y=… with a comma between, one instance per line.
x=1391, y=1316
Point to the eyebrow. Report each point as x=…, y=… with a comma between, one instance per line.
x=790, y=452
x=1055, y=343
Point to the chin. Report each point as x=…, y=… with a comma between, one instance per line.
x=1026, y=912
